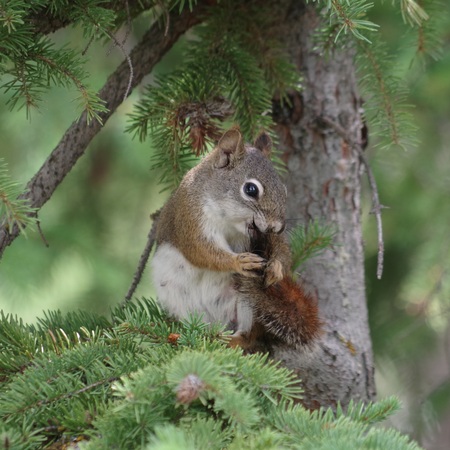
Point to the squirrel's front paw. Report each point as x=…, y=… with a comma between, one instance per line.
x=273, y=273
x=249, y=264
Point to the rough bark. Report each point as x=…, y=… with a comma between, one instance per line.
x=324, y=184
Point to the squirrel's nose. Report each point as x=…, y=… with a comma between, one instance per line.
x=277, y=227
x=283, y=227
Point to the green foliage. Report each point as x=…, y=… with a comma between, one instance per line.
x=383, y=86
x=14, y=211
x=229, y=74
x=140, y=380
x=324, y=430
x=382, y=82
x=427, y=28
x=352, y=16
x=409, y=309
x=412, y=12
x=29, y=61
x=309, y=241
x=386, y=93
x=232, y=67
x=371, y=413
x=349, y=17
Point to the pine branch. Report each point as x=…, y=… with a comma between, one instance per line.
x=76, y=139
x=413, y=13
x=231, y=71
x=385, y=92
x=14, y=212
x=248, y=89
x=181, y=112
x=134, y=386
x=370, y=413
x=428, y=32
x=61, y=67
x=49, y=20
x=309, y=241
x=386, y=108
x=33, y=62
x=323, y=429
x=349, y=17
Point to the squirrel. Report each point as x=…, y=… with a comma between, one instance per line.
x=221, y=250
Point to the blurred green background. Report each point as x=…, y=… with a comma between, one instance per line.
x=409, y=308
x=97, y=223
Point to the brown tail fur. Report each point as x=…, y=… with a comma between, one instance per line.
x=283, y=312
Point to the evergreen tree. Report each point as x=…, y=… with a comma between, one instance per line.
x=240, y=65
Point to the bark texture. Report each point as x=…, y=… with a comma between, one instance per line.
x=324, y=184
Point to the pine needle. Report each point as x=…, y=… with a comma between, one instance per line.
x=309, y=241
x=14, y=211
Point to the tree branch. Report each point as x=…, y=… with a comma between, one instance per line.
x=73, y=144
x=376, y=209
x=144, y=257
x=45, y=23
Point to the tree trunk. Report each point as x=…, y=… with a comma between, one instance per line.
x=324, y=183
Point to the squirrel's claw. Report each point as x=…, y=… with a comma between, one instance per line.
x=273, y=273
x=249, y=264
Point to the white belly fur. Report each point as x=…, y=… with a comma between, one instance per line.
x=183, y=288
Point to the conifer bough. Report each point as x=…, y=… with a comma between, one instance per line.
x=86, y=381
x=73, y=144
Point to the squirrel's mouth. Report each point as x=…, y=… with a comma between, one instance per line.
x=253, y=229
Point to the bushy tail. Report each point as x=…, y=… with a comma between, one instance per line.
x=284, y=309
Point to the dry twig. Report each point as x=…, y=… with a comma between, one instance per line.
x=41, y=233
x=144, y=257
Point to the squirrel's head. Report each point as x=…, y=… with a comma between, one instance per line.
x=247, y=189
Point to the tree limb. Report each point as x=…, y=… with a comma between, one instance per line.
x=73, y=144
x=45, y=23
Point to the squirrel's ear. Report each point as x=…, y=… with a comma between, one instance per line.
x=230, y=149
x=264, y=143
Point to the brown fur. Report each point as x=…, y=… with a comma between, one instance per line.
x=180, y=219
x=283, y=311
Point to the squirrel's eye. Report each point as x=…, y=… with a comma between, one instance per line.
x=251, y=190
